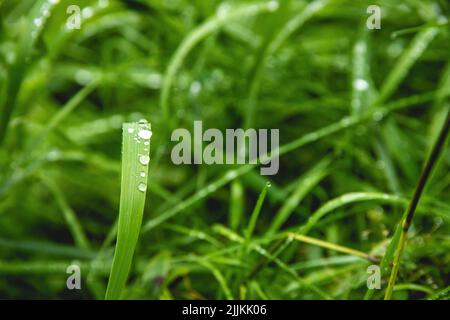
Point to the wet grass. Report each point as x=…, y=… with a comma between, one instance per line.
x=358, y=111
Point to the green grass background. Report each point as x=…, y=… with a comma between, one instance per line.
x=349, y=157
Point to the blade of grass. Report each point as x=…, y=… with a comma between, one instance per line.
x=135, y=160
x=255, y=213
x=406, y=61
x=361, y=80
x=331, y=246
x=345, y=200
x=74, y=225
x=236, y=204
x=409, y=215
x=307, y=182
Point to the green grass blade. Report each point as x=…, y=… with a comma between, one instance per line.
x=345, y=200
x=74, y=225
x=236, y=204
x=255, y=213
x=38, y=16
x=408, y=217
x=406, y=61
x=135, y=160
x=307, y=182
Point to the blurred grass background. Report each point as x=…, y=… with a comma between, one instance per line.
x=300, y=66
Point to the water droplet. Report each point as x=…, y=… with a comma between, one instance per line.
x=360, y=84
x=442, y=20
x=38, y=22
x=103, y=3
x=195, y=88
x=53, y=155
x=142, y=174
x=377, y=116
x=346, y=121
x=87, y=12
x=223, y=10
x=145, y=134
x=116, y=121
x=232, y=174
x=143, y=121
x=380, y=164
x=273, y=5
x=142, y=187
x=154, y=80
x=130, y=130
x=83, y=76
x=144, y=159
x=53, y=1
x=146, y=143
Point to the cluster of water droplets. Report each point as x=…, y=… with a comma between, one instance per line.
x=143, y=135
x=88, y=12
x=42, y=16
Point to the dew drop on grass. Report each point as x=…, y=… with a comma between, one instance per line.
x=361, y=85
x=346, y=122
x=130, y=130
x=38, y=22
x=103, y=3
x=273, y=5
x=144, y=159
x=378, y=116
x=142, y=174
x=145, y=134
x=231, y=174
x=87, y=12
x=195, y=88
x=142, y=187
x=83, y=76
x=223, y=10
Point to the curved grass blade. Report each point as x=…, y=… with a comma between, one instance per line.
x=72, y=221
x=344, y=200
x=406, y=61
x=255, y=213
x=135, y=160
x=409, y=215
x=307, y=182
